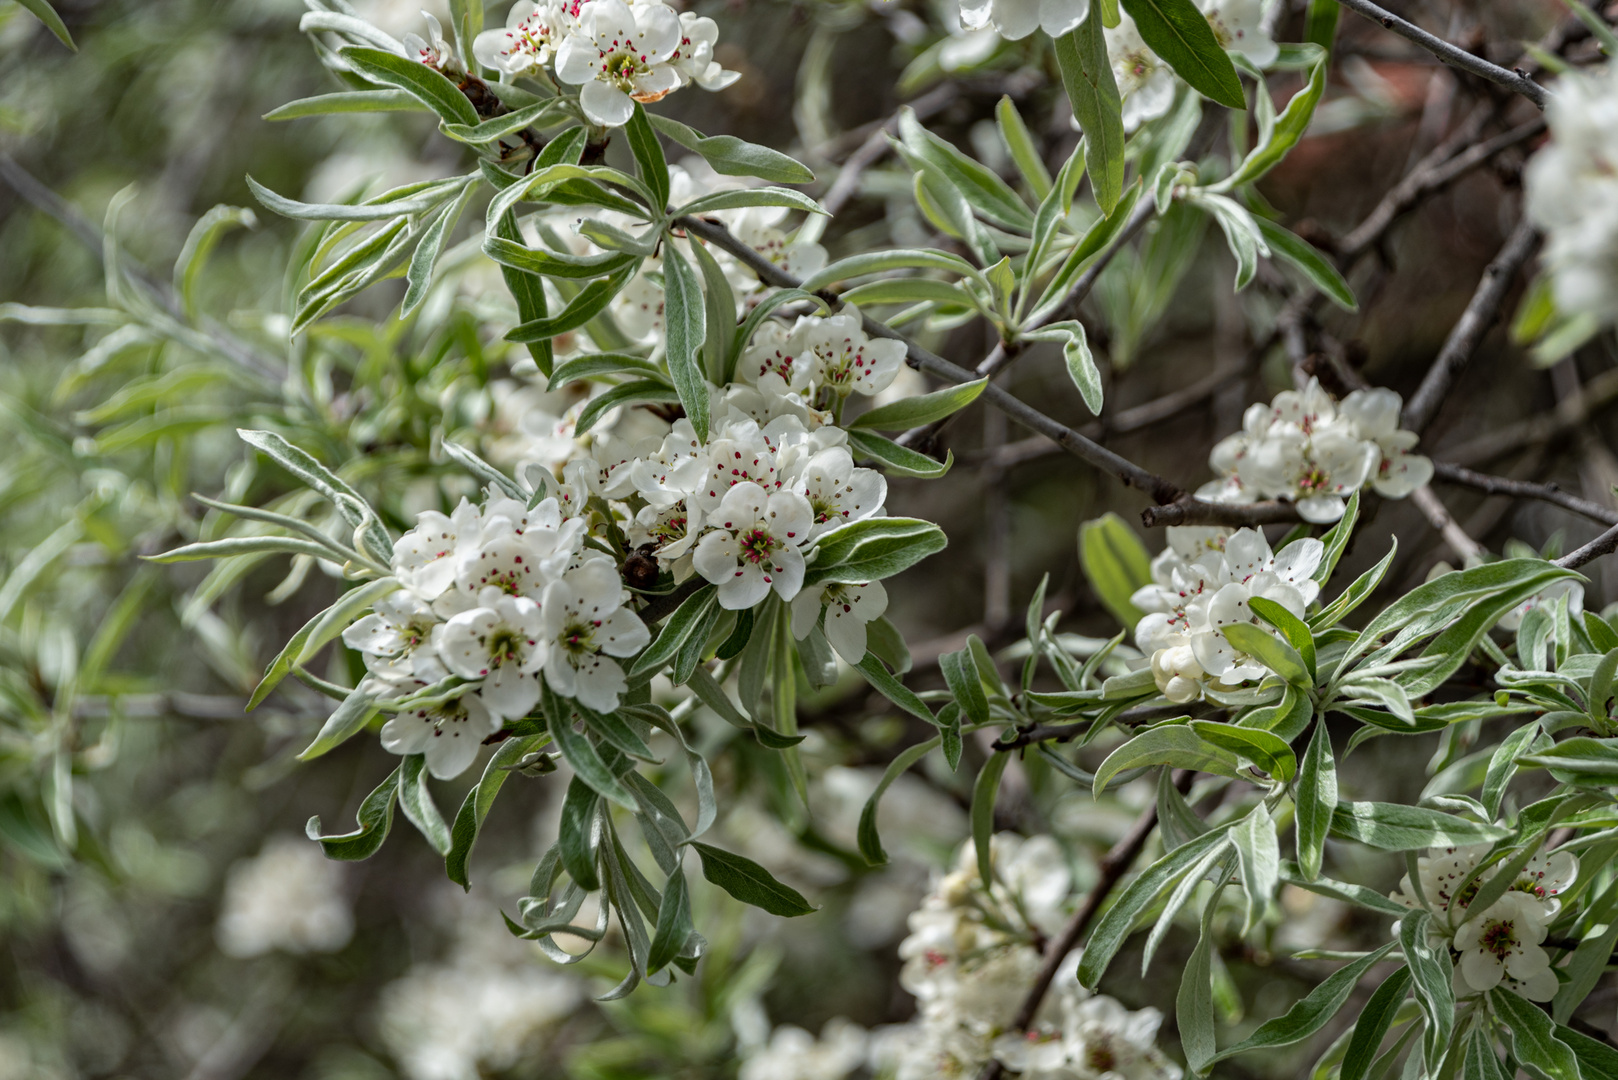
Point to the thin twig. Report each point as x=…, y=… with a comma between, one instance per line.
x=1194, y=511
x=1604, y=544
x=1523, y=489
x=1114, y=865
x=1569, y=415
x=1466, y=549
x=1451, y=54
x=1158, y=488
x=1464, y=338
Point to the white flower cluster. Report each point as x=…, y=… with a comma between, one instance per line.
x=1306, y=448
x=288, y=897
x=503, y=594
x=793, y=1054
x=616, y=53
x=1147, y=84
x=970, y=960
x=1500, y=945
x=1203, y=581
x=1572, y=187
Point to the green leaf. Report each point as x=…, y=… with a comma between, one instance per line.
x=649, y=160
x=673, y=921
x=912, y=290
x=541, y=113
x=1316, y=800
x=1285, y=133
x=1260, y=851
x=554, y=264
x=527, y=289
x=199, y=244
x=870, y=842
x=961, y=675
x=345, y=721
x=1242, y=234
x=1179, y=33
x=1598, y=27
x=1579, y=760
x=895, y=459
x=1393, y=827
x=355, y=510
x=1533, y=1037
x=1194, y=1008
x=1022, y=148
x=1597, y=1060
x=600, y=364
x=1088, y=79
x=1503, y=765
x=581, y=753
x=303, y=645
x=1434, y=985
x=687, y=322
x=1081, y=366
x=577, y=834
x=985, y=792
x=650, y=391
x=1262, y=748
x=1313, y=1012
x=1320, y=23
x=1292, y=628
x=1589, y=963
x=923, y=409
x=1172, y=744
x=1300, y=253
x=761, y=196
x=46, y=14
x=1270, y=651
x=1373, y=1024
x=731, y=156
x=475, y=808
x=719, y=306
x=347, y=101
x=417, y=802
x=678, y=628
x=1115, y=924
x=1116, y=564
x=591, y=301
x=749, y=882
x=894, y=690
x=431, y=245
x=881, y=262
x=1356, y=594
x=375, y=818
x=417, y=79
x=990, y=196
x=1337, y=537
x=243, y=545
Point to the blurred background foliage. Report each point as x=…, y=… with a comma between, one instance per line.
x=131, y=784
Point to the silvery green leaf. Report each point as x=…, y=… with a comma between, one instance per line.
x=1313, y=1012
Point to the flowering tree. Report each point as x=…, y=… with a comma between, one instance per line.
x=685, y=526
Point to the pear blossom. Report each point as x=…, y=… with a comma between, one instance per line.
x=694, y=59
x=850, y=609
x=501, y=643
x=519, y=550
x=288, y=897
x=619, y=55
x=426, y=558
x=1145, y=82
x=832, y=352
x=585, y=627
x=396, y=639
x=1238, y=26
x=435, y=52
x=1375, y=415
x=1015, y=19
x=448, y=733
x=1504, y=940
x=1572, y=193
x=529, y=40
x=794, y=1054
x=838, y=492
x=755, y=545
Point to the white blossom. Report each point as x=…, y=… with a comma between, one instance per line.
x=448, y=733
x=1238, y=26
x=586, y=626
x=1145, y=82
x=529, y=40
x=288, y=897
x=502, y=643
x=849, y=609
x=619, y=55
x=425, y=559
x=756, y=545
x=794, y=1054
x=1016, y=19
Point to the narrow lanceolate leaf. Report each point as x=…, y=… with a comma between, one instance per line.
x=46, y=14
x=897, y=460
x=1260, y=854
x=1194, y=1008
x=1172, y=744
x=375, y=818
x=417, y=79
x=1022, y=148
x=985, y=792
x=1088, y=79
x=989, y=196
x=1116, y=564
x=1434, y=985
x=677, y=630
x=736, y=157
x=417, y=802
x=1317, y=800
x=1294, y=629
x=527, y=289
x=749, y=882
x=1270, y=651
x=1114, y=926
x=1313, y=1012
x=1373, y=1024
x=1533, y=1037
x=961, y=675
x=1293, y=248
x=1481, y=1061
x=420, y=274
x=1178, y=32
x=686, y=319
x=475, y=808
x=1579, y=760
x=347, y=101
x=1266, y=750
x=649, y=159
x=922, y=409
x=1285, y=133
x=1081, y=365
x=1394, y=827
x=673, y=924
x=894, y=690
x=873, y=549
x=345, y=721
x=869, y=840
x=581, y=753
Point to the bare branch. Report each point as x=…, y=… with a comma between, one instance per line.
x=1475, y=322
x=1604, y=544
x=875, y=146
x=1193, y=511
x=1600, y=392
x=1466, y=549
x=1523, y=489
x=1451, y=54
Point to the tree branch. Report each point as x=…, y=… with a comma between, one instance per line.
x=1570, y=413
x=1158, y=488
x=1451, y=54
x=1193, y=511
x=1466, y=549
x=1523, y=489
x=1475, y=322
x=875, y=146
